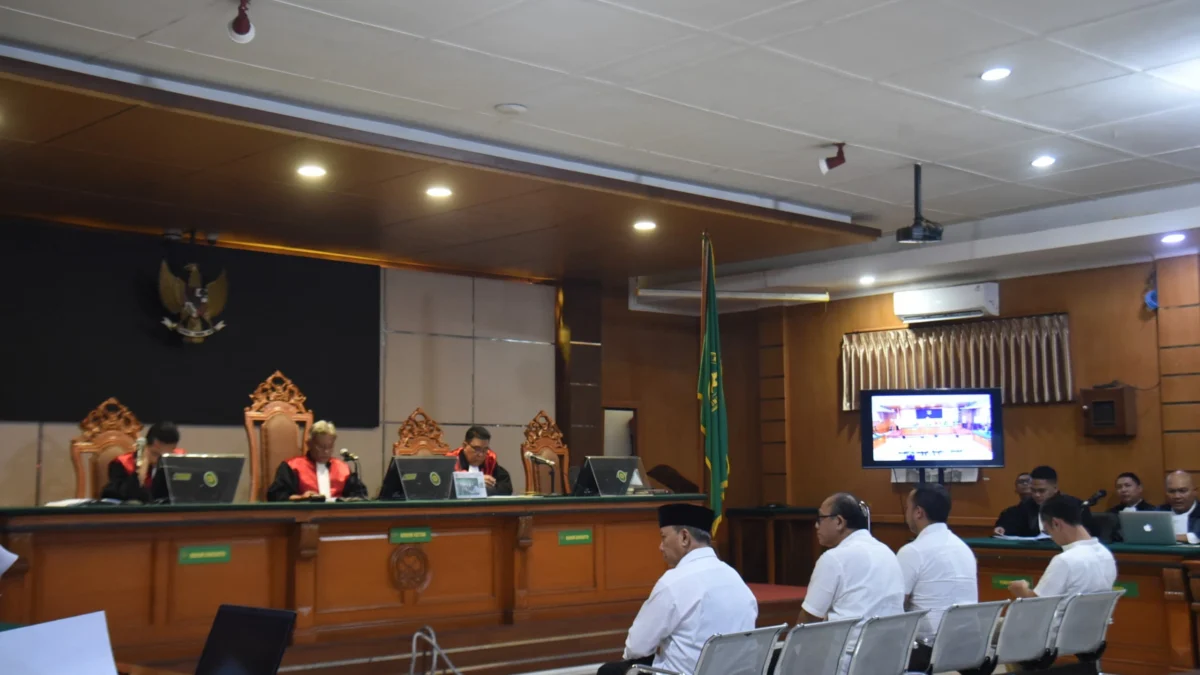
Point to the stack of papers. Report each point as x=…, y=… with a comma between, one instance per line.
x=79, y=646
x=1009, y=537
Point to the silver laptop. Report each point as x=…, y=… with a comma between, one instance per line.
x=1152, y=528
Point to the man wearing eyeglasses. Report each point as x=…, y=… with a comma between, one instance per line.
x=858, y=577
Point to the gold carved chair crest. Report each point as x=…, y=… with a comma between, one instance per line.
x=277, y=424
x=544, y=439
x=108, y=431
x=420, y=435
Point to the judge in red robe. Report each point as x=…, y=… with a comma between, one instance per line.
x=129, y=482
x=317, y=473
x=475, y=455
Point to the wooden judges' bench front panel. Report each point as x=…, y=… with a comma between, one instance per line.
x=369, y=569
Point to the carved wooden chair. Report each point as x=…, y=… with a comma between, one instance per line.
x=109, y=430
x=277, y=424
x=544, y=439
x=420, y=435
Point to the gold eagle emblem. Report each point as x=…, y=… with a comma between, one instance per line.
x=192, y=304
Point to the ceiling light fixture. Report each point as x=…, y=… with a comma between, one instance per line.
x=439, y=191
x=241, y=30
x=1043, y=161
x=311, y=171
x=993, y=74
x=644, y=225
x=828, y=164
x=510, y=108
x=1174, y=238
x=866, y=280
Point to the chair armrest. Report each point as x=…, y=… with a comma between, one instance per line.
x=648, y=669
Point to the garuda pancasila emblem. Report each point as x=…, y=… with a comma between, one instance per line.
x=192, y=304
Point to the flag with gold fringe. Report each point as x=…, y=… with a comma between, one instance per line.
x=710, y=388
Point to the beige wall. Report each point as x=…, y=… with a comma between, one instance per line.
x=469, y=351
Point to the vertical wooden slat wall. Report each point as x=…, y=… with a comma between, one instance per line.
x=772, y=407
x=1179, y=360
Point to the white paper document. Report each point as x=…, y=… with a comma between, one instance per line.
x=78, y=645
x=7, y=558
x=1009, y=537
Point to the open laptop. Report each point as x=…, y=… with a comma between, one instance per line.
x=1151, y=528
x=246, y=641
x=607, y=477
x=425, y=478
x=201, y=479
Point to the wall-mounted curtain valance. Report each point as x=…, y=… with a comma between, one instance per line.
x=1028, y=358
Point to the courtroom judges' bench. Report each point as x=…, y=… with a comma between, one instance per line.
x=536, y=577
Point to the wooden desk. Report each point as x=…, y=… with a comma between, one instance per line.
x=352, y=572
x=1154, y=627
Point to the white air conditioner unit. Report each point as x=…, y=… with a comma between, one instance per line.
x=947, y=304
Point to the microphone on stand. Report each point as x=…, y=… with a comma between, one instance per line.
x=538, y=459
x=1094, y=499
x=349, y=456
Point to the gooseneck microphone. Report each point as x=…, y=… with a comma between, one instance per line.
x=1095, y=499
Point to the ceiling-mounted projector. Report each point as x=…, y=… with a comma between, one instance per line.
x=921, y=231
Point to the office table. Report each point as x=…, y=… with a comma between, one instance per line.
x=353, y=572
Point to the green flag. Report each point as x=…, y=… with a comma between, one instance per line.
x=710, y=388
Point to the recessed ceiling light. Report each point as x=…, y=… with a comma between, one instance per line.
x=866, y=280
x=311, y=171
x=995, y=74
x=439, y=191
x=1043, y=161
x=645, y=225
x=1173, y=238
x=510, y=108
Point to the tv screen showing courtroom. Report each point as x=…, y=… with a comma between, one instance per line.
x=932, y=428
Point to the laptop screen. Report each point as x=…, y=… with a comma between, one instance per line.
x=426, y=478
x=202, y=479
x=607, y=476
x=246, y=641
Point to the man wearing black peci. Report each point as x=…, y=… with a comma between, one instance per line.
x=1027, y=521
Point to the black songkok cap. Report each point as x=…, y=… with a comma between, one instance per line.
x=686, y=515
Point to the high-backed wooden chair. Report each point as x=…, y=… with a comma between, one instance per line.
x=109, y=430
x=420, y=435
x=544, y=439
x=277, y=424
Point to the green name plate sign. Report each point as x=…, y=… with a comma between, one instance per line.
x=574, y=537
x=1002, y=581
x=204, y=555
x=410, y=535
x=1131, y=589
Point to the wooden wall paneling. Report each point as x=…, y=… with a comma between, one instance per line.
x=578, y=368
x=1181, y=417
x=1113, y=338
x=1179, y=326
x=740, y=365
x=1180, y=361
x=305, y=542
x=624, y=572
x=1178, y=281
x=773, y=407
x=1181, y=451
x=1181, y=388
x=345, y=586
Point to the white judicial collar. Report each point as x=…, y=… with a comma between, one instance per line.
x=323, y=480
x=699, y=598
x=1180, y=522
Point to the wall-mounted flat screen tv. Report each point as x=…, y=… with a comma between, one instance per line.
x=913, y=428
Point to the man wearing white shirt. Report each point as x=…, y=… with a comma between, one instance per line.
x=1084, y=566
x=1181, y=502
x=858, y=577
x=698, y=597
x=939, y=569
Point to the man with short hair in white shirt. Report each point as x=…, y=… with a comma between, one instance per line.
x=698, y=597
x=1182, y=503
x=1084, y=566
x=858, y=577
x=939, y=569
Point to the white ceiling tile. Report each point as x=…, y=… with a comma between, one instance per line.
x=746, y=83
x=1013, y=162
x=736, y=144
x=569, y=35
x=889, y=218
x=1038, y=66
x=999, y=198
x=704, y=14
x=796, y=16
x=420, y=17
x=56, y=35
x=915, y=126
x=611, y=113
x=1184, y=74
x=754, y=183
x=1187, y=158
x=897, y=37
x=1042, y=16
x=663, y=59
x=896, y=185
x=1152, y=134
x=290, y=39
x=1148, y=38
x=195, y=67
x=1097, y=103
x=131, y=18
x=1116, y=177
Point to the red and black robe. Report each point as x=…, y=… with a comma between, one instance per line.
x=299, y=475
x=123, y=480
